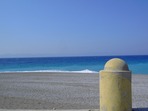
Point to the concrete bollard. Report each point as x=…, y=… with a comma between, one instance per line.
x=115, y=86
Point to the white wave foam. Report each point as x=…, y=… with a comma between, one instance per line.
x=86, y=71
x=60, y=71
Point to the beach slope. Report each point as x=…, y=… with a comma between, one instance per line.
x=60, y=91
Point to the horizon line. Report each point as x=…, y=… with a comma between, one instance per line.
x=70, y=56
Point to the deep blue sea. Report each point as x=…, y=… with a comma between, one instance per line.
x=137, y=64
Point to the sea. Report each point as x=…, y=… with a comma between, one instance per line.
x=87, y=64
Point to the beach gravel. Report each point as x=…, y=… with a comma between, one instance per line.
x=61, y=91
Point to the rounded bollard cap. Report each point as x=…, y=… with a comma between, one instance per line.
x=116, y=64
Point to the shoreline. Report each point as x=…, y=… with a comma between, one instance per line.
x=49, y=90
x=52, y=71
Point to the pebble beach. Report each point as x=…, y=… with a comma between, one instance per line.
x=44, y=90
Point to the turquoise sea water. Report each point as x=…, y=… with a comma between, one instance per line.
x=137, y=64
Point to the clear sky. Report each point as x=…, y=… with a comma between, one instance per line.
x=73, y=27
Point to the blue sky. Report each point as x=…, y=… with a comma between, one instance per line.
x=34, y=28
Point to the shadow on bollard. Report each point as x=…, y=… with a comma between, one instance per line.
x=140, y=109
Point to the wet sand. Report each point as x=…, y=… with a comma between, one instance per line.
x=60, y=91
